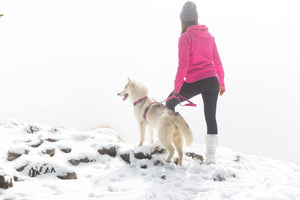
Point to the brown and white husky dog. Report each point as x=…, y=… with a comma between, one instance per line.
x=170, y=125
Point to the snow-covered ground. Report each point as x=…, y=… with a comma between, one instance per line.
x=235, y=176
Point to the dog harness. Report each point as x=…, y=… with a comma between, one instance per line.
x=146, y=110
x=148, y=107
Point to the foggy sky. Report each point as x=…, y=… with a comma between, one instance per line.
x=63, y=62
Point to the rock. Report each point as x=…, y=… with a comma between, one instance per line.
x=237, y=158
x=51, y=140
x=18, y=179
x=37, y=144
x=158, y=150
x=144, y=166
x=34, y=172
x=19, y=169
x=219, y=178
x=5, y=181
x=32, y=129
x=77, y=162
x=57, y=129
x=141, y=155
x=222, y=175
x=126, y=157
x=51, y=152
x=158, y=162
x=68, y=175
x=74, y=162
x=66, y=150
x=194, y=156
x=112, y=151
x=12, y=156
x=39, y=170
x=85, y=160
x=147, y=152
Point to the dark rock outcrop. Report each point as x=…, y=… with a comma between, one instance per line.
x=5, y=182
x=39, y=170
x=50, y=152
x=71, y=175
x=125, y=157
x=32, y=129
x=194, y=156
x=12, y=156
x=83, y=160
x=112, y=151
x=66, y=150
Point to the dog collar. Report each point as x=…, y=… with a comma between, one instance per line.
x=140, y=100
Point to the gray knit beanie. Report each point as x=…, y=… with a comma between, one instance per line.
x=189, y=12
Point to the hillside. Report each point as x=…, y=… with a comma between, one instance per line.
x=41, y=162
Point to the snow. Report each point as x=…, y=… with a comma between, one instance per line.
x=235, y=176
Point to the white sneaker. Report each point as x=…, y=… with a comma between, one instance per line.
x=211, y=145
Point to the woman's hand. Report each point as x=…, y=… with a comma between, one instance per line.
x=176, y=93
x=222, y=90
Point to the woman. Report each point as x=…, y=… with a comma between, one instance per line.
x=199, y=71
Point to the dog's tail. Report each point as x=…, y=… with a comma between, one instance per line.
x=184, y=129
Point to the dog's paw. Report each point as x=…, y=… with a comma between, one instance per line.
x=141, y=144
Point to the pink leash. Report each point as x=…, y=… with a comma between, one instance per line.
x=185, y=99
x=171, y=97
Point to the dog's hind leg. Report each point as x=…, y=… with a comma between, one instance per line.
x=166, y=140
x=178, y=142
x=142, y=126
x=151, y=135
x=171, y=151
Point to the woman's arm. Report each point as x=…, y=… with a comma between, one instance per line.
x=183, y=62
x=218, y=65
x=219, y=68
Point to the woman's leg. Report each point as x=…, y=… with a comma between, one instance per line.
x=210, y=98
x=210, y=106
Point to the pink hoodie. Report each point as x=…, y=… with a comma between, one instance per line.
x=198, y=57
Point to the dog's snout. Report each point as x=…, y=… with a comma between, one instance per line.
x=118, y=94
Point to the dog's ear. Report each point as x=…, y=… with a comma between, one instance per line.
x=130, y=82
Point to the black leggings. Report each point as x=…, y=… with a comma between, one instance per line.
x=209, y=88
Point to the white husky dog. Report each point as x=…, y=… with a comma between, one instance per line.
x=170, y=125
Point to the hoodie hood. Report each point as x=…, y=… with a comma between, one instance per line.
x=199, y=30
